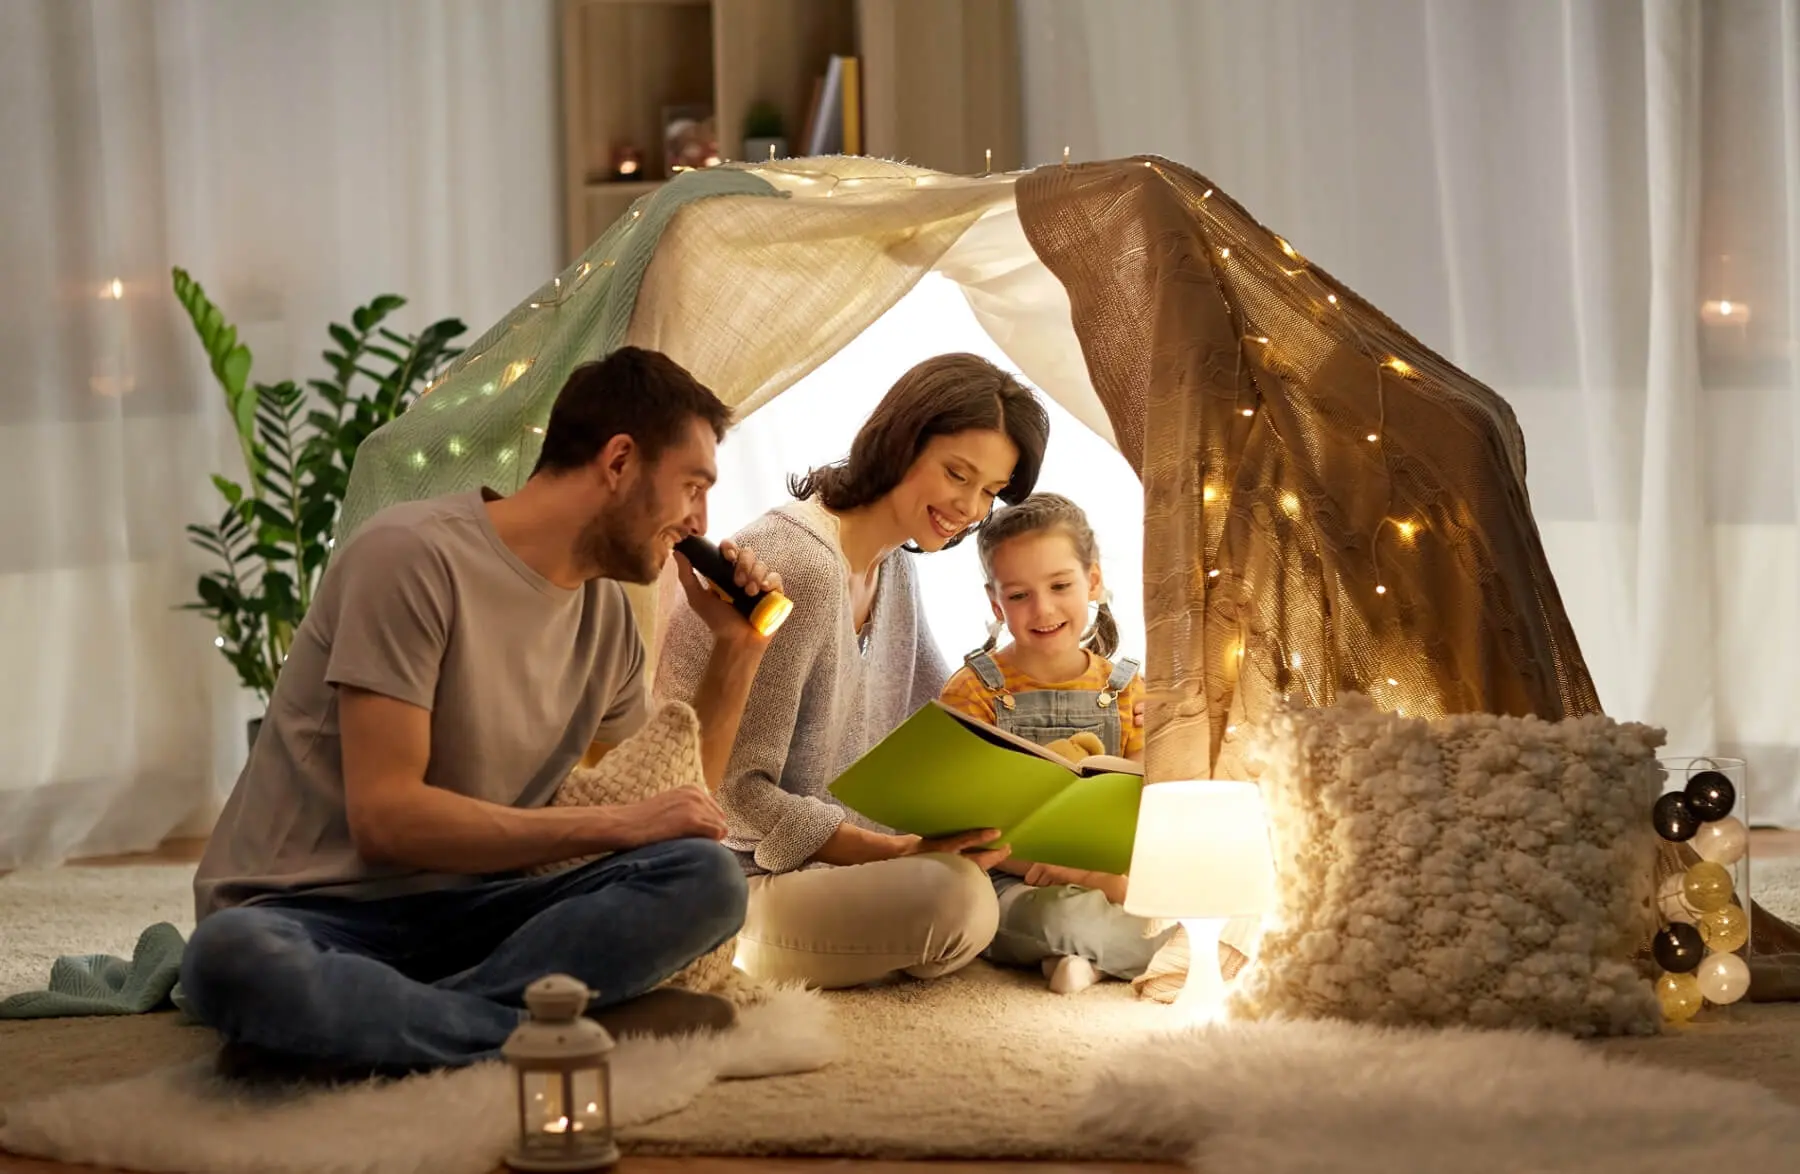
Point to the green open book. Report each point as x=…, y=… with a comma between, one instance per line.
x=942, y=772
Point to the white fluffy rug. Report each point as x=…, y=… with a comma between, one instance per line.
x=1288, y=1098
x=457, y=1122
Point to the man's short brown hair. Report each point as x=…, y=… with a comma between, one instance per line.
x=644, y=394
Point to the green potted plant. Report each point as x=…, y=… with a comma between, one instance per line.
x=764, y=134
x=273, y=540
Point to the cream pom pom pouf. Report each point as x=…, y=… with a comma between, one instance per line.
x=1476, y=870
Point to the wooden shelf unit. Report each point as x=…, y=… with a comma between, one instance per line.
x=940, y=83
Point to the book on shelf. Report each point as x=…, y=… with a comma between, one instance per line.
x=834, y=116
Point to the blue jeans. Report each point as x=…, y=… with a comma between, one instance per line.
x=437, y=979
x=1057, y=920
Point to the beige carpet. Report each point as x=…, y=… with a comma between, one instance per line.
x=986, y=1063
x=48, y=912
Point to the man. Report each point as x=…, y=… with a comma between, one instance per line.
x=361, y=903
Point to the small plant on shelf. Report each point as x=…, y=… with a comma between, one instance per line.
x=764, y=133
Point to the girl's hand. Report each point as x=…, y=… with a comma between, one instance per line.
x=1137, y=714
x=1044, y=875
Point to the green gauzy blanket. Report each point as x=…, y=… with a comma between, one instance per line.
x=101, y=984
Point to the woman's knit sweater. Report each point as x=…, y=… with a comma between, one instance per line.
x=822, y=697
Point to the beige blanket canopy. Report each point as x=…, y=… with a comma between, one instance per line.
x=1328, y=505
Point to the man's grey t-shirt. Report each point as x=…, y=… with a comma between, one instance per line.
x=427, y=605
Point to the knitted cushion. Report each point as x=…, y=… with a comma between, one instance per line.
x=663, y=755
x=1478, y=870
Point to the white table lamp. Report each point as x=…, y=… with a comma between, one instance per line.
x=1201, y=857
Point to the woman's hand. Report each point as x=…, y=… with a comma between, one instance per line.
x=968, y=845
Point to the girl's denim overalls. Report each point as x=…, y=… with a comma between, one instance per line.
x=1046, y=922
x=1044, y=715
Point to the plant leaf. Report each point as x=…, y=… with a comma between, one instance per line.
x=230, y=490
x=234, y=368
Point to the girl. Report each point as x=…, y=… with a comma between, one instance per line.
x=1054, y=685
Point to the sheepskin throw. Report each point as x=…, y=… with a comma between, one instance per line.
x=1477, y=870
x=663, y=755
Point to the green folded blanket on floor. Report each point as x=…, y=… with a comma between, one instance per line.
x=101, y=984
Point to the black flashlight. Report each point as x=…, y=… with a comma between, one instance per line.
x=764, y=612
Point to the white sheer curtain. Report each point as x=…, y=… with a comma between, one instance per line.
x=297, y=159
x=1591, y=205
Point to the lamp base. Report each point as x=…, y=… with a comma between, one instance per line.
x=1202, y=997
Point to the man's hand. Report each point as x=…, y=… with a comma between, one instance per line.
x=968, y=845
x=725, y=621
x=673, y=815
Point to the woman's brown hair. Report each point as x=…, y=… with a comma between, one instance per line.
x=942, y=396
x=1035, y=515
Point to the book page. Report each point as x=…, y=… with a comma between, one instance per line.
x=1011, y=741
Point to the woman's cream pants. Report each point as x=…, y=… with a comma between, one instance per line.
x=843, y=926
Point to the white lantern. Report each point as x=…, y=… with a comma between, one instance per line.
x=563, y=1062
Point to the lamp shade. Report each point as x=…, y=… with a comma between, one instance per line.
x=1202, y=851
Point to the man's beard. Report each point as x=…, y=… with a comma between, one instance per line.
x=622, y=544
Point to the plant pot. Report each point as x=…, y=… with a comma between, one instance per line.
x=251, y=729
x=757, y=150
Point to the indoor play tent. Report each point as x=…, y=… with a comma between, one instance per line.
x=1329, y=506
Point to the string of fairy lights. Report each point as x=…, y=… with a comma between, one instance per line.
x=1323, y=302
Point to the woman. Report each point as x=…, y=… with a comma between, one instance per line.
x=836, y=901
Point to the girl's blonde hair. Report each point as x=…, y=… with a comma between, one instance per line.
x=1034, y=515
